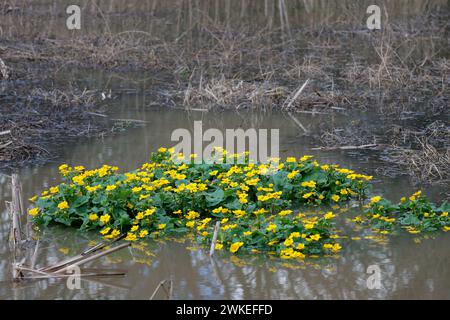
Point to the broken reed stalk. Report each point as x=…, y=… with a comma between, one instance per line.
x=16, y=209
x=57, y=270
x=169, y=292
x=214, y=238
x=79, y=257
x=94, y=257
x=290, y=100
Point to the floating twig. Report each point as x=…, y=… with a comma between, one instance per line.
x=364, y=146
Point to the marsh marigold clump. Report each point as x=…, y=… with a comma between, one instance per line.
x=256, y=203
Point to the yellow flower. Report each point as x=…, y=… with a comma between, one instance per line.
x=272, y=227
x=292, y=174
x=307, y=195
x=93, y=217
x=54, y=190
x=33, y=199
x=143, y=233
x=105, y=230
x=219, y=246
x=288, y=242
x=375, y=199
x=284, y=212
x=162, y=149
x=63, y=205
x=315, y=237
x=130, y=237
x=105, y=218
x=33, y=212
x=329, y=215
x=335, y=197
x=140, y=216
x=446, y=228
x=190, y=224
x=309, y=184
x=260, y=211
x=247, y=233
x=111, y=187
x=235, y=246
x=239, y=213
x=336, y=247
x=444, y=214
x=161, y=226
x=304, y=158
x=300, y=246
x=134, y=228
x=192, y=215
x=309, y=226
x=113, y=234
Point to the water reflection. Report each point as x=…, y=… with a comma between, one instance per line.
x=409, y=269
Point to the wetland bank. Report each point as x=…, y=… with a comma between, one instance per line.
x=233, y=64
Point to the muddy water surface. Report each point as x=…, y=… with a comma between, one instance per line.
x=411, y=267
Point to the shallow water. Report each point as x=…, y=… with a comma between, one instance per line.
x=411, y=268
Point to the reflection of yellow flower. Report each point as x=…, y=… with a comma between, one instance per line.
x=64, y=250
x=63, y=205
x=235, y=246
